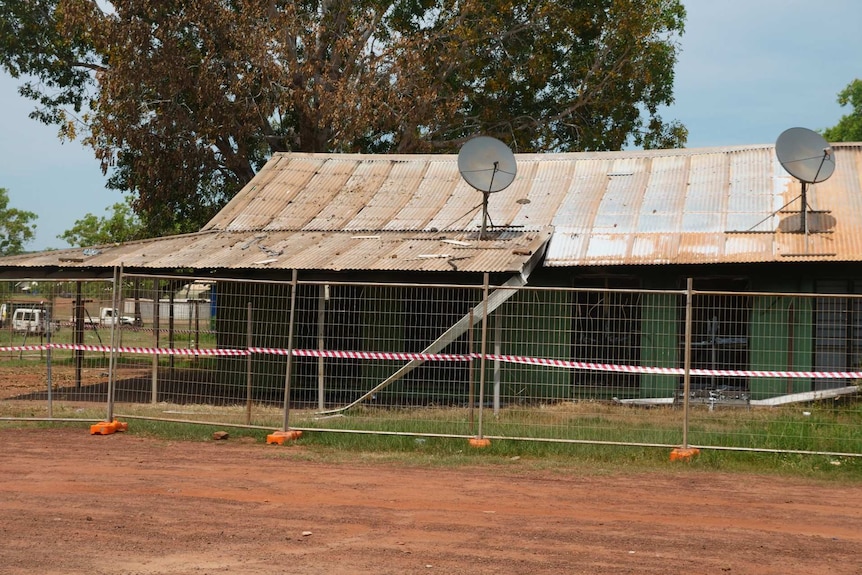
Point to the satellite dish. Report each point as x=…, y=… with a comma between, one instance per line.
x=805, y=155
x=488, y=165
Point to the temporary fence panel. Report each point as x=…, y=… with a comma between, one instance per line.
x=776, y=371
x=767, y=371
x=54, y=351
x=192, y=359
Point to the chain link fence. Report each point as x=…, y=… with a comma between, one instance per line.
x=723, y=370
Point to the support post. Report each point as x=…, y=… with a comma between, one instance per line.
x=498, y=350
x=111, y=425
x=248, y=342
x=286, y=433
x=157, y=304
x=321, y=344
x=480, y=440
x=79, y=333
x=685, y=453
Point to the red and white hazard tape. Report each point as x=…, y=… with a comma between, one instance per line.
x=385, y=355
x=404, y=356
x=139, y=350
x=673, y=370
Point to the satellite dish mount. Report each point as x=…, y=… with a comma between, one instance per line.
x=488, y=165
x=807, y=157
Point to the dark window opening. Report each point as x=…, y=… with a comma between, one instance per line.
x=719, y=338
x=837, y=332
x=607, y=330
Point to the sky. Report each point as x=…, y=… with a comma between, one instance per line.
x=748, y=70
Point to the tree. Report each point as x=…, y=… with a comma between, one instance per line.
x=16, y=228
x=120, y=226
x=849, y=127
x=183, y=101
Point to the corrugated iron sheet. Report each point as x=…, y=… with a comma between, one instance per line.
x=415, y=213
x=721, y=205
x=327, y=250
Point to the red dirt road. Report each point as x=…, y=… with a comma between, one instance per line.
x=73, y=503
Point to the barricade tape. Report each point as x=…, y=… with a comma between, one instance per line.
x=405, y=356
x=673, y=370
x=386, y=355
x=138, y=350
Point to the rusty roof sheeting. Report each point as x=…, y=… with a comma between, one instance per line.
x=718, y=205
x=415, y=213
x=507, y=252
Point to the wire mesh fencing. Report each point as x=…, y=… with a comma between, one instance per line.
x=726, y=370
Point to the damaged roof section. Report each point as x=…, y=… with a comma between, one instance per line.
x=415, y=213
x=710, y=205
x=502, y=251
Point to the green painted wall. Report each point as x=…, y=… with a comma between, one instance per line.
x=660, y=343
x=780, y=339
x=534, y=324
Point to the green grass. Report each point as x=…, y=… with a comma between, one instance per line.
x=521, y=455
x=784, y=428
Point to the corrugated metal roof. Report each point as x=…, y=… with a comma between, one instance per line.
x=415, y=213
x=327, y=250
x=717, y=205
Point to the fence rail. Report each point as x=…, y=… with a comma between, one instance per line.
x=723, y=370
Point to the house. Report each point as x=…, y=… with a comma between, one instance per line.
x=730, y=218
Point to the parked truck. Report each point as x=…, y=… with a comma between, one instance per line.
x=107, y=316
x=33, y=320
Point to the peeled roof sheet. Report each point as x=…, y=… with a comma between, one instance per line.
x=507, y=252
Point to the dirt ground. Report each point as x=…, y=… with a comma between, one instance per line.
x=20, y=381
x=71, y=502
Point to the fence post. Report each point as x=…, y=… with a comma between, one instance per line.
x=685, y=453
x=322, y=296
x=78, y=316
x=686, y=387
x=171, y=326
x=248, y=341
x=289, y=368
x=498, y=350
x=49, y=328
x=471, y=385
x=157, y=304
x=479, y=440
x=112, y=359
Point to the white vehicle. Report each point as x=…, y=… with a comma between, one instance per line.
x=108, y=316
x=32, y=320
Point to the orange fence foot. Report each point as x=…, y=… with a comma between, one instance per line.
x=108, y=427
x=684, y=454
x=279, y=437
x=479, y=442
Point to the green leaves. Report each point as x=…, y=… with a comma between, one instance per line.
x=188, y=99
x=16, y=227
x=849, y=127
x=120, y=226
